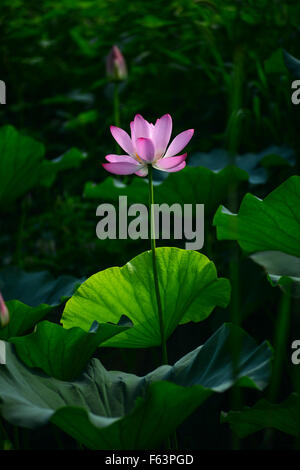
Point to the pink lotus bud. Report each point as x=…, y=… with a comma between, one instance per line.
x=115, y=65
x=4, y=313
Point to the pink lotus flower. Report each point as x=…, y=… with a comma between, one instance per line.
x=4, y=314
x=115, y=65
x=148, y=146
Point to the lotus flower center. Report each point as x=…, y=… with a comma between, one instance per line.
x=139, y=158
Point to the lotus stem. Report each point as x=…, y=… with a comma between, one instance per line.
x=154, y=264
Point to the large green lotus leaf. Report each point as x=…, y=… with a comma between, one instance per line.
x=189, y=289
x=283, y=417
x=110, y=190
x=31, y=296
x=23, y=166
x=49, y=168
x=201, y=186
x=35, y=288
x=281, y=268
x=192, y=185
x=254, y=164
x=62, y=353
x=115, y=410
x=269, y=229
x=20, y=157
x=263, y=225
x=22, y=318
